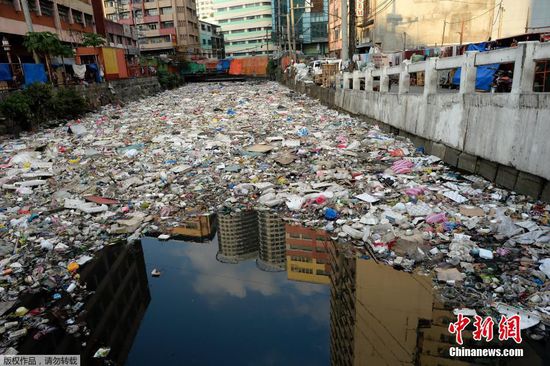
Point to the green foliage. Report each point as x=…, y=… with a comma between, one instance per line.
x=40, y=98
x=168, y=80
x=45, y=43
x=15, y=108
x=68, y=104
x=28, y=109
x=93, y=40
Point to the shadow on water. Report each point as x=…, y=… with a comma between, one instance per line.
x=112, y=313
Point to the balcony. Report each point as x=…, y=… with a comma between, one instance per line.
x=157, y=46
x=151, y=33
x=165, y=3
x=167, y=17
x=148, y=19
x=167, y=31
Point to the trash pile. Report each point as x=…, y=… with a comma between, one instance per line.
x=123, y=172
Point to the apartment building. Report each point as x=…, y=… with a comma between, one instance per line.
x=246, y=26
x=68, y=19
x=205, y=10
x=237, y=236
x=307, y=254
x=212, y=42
x=271, y=227
x=164, y=26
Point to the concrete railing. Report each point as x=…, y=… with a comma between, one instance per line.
x=524, y=57
x=468, y=129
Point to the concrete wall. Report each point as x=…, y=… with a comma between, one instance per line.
x=115, y=91
x=503, y=137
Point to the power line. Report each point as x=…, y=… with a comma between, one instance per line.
x=477, y=16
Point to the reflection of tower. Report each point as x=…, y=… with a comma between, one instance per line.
x=375, y=312
x=112, y=313
x=307, y=257
x=237, y=236
x=272, y=241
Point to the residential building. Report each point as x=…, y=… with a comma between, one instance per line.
x=212, y=43
x=117, y=35
x=398, y=24
x=271, y=227
x=307, y=254
x=205, y=10
x=165, y=26
x=68, y=19
x=237, y=236
x=310, y=25
x=246, y=26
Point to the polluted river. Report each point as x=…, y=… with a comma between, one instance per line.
x=245, y=224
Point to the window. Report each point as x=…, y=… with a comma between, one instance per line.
x=89, y=19
x=180, y=9
x=167, y=10
x=204, y=41
x=164, y=25
x=109, y=4
x=210, y=42
x=151, y=26
x=63, y=13
x=151, y=12
x=46, y=7
x=203, y=27
x=209, y=28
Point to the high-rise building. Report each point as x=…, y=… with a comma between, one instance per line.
x=205, y=10
x=246, y=26
x=271, y=227
x=164, y=26
x=310, y=25
x=307, y=254
x=237, y=236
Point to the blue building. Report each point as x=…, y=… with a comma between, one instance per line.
x=310, y=25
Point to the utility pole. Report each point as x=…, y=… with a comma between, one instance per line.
x=461, y=32
x=345, y=40
x=443, y=34
x=352, y=15
x=500, y=20
x=405, y=41
x=293, y=26
x=288, y=34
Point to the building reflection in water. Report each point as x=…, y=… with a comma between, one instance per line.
x=307, y=254
x=382, y=316
x=271, y=228
x=238, y=237
x=112, y=313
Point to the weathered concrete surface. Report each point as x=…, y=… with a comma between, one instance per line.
x=497, y=136
x=115, y=91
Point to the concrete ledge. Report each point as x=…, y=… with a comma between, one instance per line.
x=467, y=162
x=529, y=184
x=451, y=156
x=506, y=177
x=487, y=169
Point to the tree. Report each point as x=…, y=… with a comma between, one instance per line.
x=93, y=40
x=46, y=44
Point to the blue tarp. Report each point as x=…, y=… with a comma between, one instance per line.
x=34, y=73
x=5, y=72
x=485, y=74
x=96, y=71
x=223, y=65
